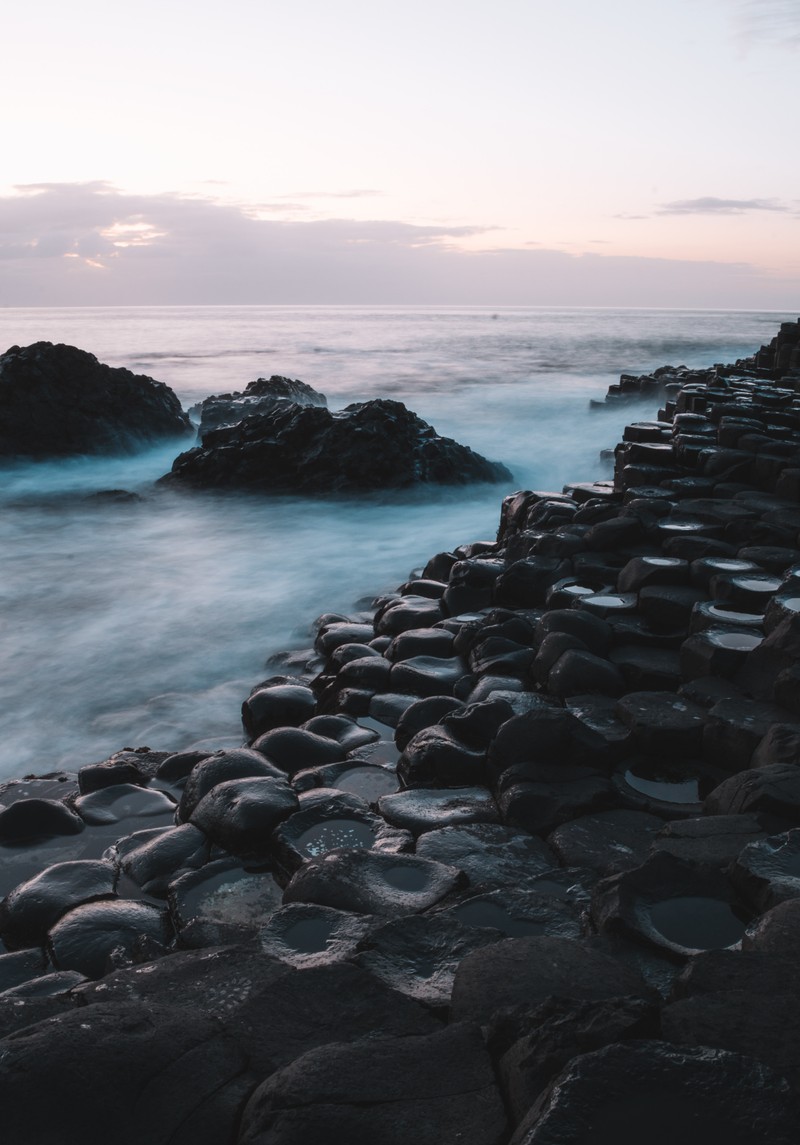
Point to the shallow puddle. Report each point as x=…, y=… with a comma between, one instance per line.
x=333, y=834
x=406, y=878
x=741, y=641
x=696, y=922
x=309, y=935
x=482, y=913
x=369, y=783
x=664, y=784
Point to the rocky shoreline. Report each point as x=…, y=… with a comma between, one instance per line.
x=510, y=856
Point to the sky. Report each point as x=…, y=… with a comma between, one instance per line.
x=518, y=152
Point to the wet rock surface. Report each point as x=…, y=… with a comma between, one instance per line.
x=262, y=396
x=509, y=856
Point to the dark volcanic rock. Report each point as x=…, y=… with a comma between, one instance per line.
x=239, y=763
x=306, y=934
x=263, y=396
x=58, y=400
x=638, y=1091
x=34, y=819
x=87, y=937
x=489, y=854
x=393, y=1090
x=161, y=1074
x=557, y=1031
x=526, y=971
x=418, y=955
x=32, y=908
x=369, y=445
x=373, y=883
x=674, y=905
x=222, y=902
x=239, y=814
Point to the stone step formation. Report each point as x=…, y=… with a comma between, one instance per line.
x=512, y=855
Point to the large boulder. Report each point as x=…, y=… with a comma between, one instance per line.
x=305, y=449
x=56, y=400
x=264, y=395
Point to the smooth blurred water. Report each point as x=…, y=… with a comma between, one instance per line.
x=147, y=622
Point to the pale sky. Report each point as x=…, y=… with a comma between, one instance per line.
x=596, y=152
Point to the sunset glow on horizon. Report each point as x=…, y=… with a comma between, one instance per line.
x=615, y=154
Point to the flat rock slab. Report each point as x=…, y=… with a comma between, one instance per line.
x=305, y=934
x=557, y=1031
x=519, y=911
x=426, y=809
x=556, y=796
x=647, y=1091
x=124, y=1071
x=489, y=854
x=217, y=980
x=393, y=1090
x=373, y=883
x=525, y=971
x=662, y=723
x=767, y=871
x=418, y=955
x=712, y=840
x=607, y=842
x=318, y=1005
x=766, y=1027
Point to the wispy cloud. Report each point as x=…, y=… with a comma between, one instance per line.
x=709, y=205
x=356, y=194
x=777, y=21
x=92, y=244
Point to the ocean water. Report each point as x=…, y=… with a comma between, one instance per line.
x=148, y=622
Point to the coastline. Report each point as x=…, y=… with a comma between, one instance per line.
x=610, y=690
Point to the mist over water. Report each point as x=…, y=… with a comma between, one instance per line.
x=148, y=621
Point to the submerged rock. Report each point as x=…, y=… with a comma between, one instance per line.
x=56, y=400
x=304, y=449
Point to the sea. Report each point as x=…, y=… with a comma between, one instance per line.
x=146, y=622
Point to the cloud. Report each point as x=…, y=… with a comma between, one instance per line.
x=776, y=21
x=92, y=244
x=712, y=206
x=357, y=194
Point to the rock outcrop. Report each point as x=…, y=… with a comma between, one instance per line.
x=371, y=445
x=264, y=395
x=56, y=401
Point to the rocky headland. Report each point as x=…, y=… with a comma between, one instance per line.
x=511, y=855
x=264, y=442
x=57, y=401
